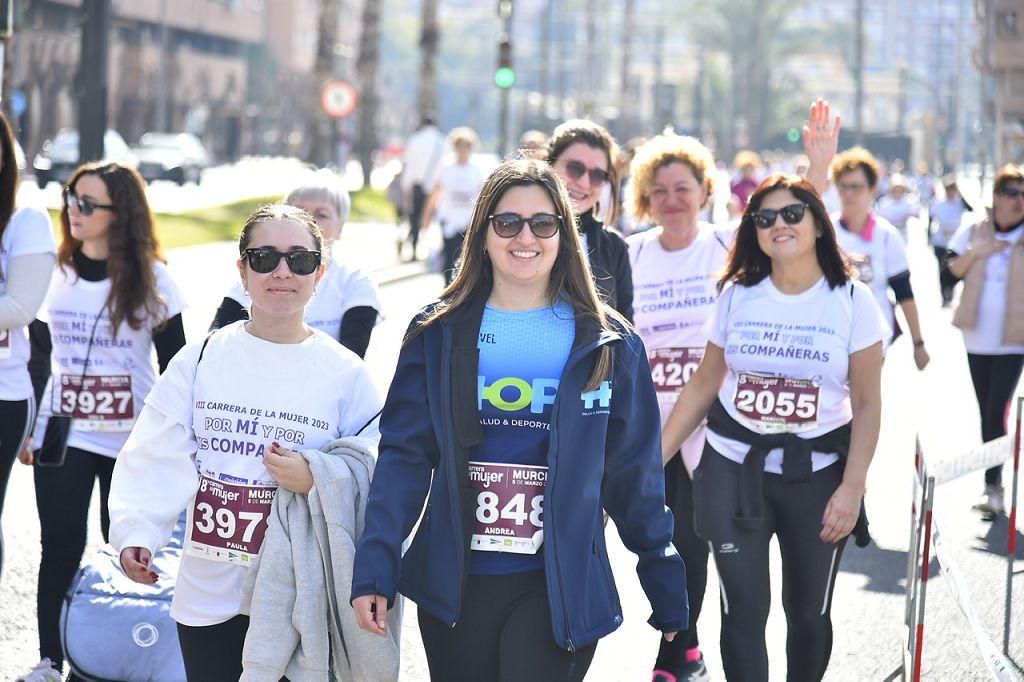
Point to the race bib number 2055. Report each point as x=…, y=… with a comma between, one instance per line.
x=771, y=403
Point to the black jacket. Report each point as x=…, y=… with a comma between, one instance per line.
x=609, y=263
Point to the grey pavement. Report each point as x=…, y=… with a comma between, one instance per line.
x=937, y=404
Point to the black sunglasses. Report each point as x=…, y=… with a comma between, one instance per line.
x=84, y=206
x=576, y=170
x=508, y=225
x=791, y=215
x=1012, y=192
x=264, y=260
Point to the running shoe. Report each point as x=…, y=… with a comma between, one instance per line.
x=694, y=671
x=43, y=672
x=991, y=501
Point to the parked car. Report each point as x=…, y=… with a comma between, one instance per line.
x=179, y=157
x=58, y=158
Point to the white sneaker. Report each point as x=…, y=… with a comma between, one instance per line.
x=43, y=672
x=991, y=501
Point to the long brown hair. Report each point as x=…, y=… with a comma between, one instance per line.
x=132, y=241
x=570, y=276
x=8, y=174
x=749, y=265
x=583, y=131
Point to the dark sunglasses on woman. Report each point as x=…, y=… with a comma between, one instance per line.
x=576, y=170
x=791, y=215
x=1012, y=192
x=84, y=206
x=508, y=225
x=264, y=260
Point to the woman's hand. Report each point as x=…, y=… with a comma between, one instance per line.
x=26, y=456
x=372, y=613
x=841, y=512
x=135, y=562
x=986, y=249
x=669, y=636
x=289, y=468
x=921, y=357
x=821, y=140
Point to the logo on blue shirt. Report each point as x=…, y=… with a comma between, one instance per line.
x=512, y=394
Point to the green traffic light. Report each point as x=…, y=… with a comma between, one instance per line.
x=793, y=135
x=504, y=77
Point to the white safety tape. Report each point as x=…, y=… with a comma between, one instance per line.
x=986, y=456
x=998, y=666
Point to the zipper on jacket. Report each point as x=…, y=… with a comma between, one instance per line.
x=456, y=500
x=549, y=502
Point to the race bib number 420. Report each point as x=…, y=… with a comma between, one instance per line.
x=671, y=368
x=777, y=403
x=509, y=507
x=97, y=403
x=229, y=521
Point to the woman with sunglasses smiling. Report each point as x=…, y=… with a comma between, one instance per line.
x=347, y=303
x=789, y=384
x=875, y=246
x=220, y=432
x=989, y=257
x=582, y=153
x=522, y=405
x=110, y=303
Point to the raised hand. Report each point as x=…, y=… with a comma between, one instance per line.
x=821, y=140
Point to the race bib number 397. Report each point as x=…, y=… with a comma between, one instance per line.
x=229, y=521
x=777, y=403
x=509, y=507
x=671, y=368
x=98, y=403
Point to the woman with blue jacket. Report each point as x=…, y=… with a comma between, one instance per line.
x=523, y=406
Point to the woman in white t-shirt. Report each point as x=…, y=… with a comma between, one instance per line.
x=989, y=257
x=675, y=267
x=219, y=433
x=945, y=218
x=346, y=303
x=454, y=197
x=110, y=303
x=789, y=383
x=26, y=265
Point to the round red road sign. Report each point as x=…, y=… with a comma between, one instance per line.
x=338, y=98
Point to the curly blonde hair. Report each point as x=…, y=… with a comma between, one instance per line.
x=851, y=160
x=661, y=151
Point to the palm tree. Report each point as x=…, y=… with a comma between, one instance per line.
x=430, y=43
x=369, y=99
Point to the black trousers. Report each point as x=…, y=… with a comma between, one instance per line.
x=694, y=550
x=793, y=512
x=62, y=501
x=994, y=377
x=213, y=653
x=452, y=249
x=503, y=635
x=15, y=427
x=419, y=202
x=946, y=281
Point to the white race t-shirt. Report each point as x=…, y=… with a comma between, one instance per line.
x=898, y=212
x=948, y=216
x=244, y=395
x=789, y=359
x=879, y=253
x=342, y=288
x=674, y=294
x=27, y=233
x=987, y=336
x=121, y=370
x=460, y=185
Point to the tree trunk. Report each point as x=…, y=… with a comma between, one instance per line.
x=322, y=145
x=430, y=42
x=369, y=99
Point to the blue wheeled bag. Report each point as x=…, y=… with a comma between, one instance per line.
x=114, y=629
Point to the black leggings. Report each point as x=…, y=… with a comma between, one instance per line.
x=62, y=500
x=452, y=249
x=213, y=653
x=793, y=512
x=946, y=281
x=15, y=428
x=503, y=634
x=995, y=377
x=694, y=550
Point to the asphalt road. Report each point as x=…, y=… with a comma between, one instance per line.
x=937, y=405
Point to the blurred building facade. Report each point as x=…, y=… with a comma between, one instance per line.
x=1000, y=57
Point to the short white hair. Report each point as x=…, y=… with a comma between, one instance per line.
x=325, y=185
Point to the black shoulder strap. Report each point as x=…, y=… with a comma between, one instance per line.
x=203, y=349
x=718, y=238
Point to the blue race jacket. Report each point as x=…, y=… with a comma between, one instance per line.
x=604, y=452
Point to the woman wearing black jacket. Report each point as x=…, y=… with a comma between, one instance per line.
x=582, y=153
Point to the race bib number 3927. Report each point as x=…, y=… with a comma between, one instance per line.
x=509, y=507
x=773, y=403
x=97, y=403
x=229, y=521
